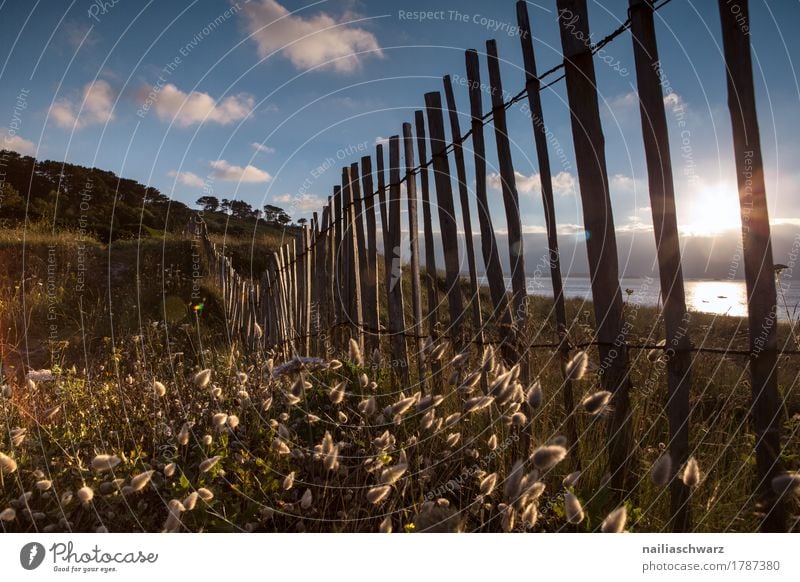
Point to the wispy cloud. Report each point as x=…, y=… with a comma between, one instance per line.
x=187, y=178
x=260, y=147
x=319, y=40
x=96, y=107
x=304, y=203
x=186, y=109
x=15, y=143
x=564, y=183
x=222, y=170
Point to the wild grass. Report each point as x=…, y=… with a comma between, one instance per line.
x=171, y=425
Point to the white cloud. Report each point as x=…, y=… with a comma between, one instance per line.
x=674, y=102
x=381, y=140
x=170, y=103
x=630, y=99
x=222, y=170
x=304, y=203
x=624, y=183
x=96, y=108
x=260, y=147
x=15, y=143
x=318, y=40
x=187, y=178
x=564, y=183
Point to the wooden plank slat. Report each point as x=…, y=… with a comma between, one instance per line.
x=447, y=213
x=601, y=243
x=371, y=311
x=665, y=226
x=413, y=241
x=469, y=244
x=532, y=85
x=519, y=314
x=394, y=273
x=759, y=269
x=351, y=259
x=431, y=284
x=491, y=257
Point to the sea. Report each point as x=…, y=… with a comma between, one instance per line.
x=720, y=297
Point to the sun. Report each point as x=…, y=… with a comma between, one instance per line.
x=709, y=209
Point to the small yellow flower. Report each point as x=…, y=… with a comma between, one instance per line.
x=409, y=527
x=385, y=458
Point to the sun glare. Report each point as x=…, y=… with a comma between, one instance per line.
x=712, y=210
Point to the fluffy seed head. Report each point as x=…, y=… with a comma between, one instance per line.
x=44, y=485
x=378, y=494
x=103, y=463
x=202, y=378
x=205, y=494
x=288, y=481
x=191, y=501
x=390, y=475
x=661, y=473
x=209, y=464
x=477, y=403
x=576, y=367
x=488, y=484
x=141, y=480
x=355, y=353
x=159, y=388
x=169, y=469
x=788, y=481
x=307, y=499
x=8, y=514
x=386, y=525
x=691, y=473
x=85, y=494
x=597, y=402
x=548, y=456
x=219, y=419
x=615, y=522
x=534, y=395
x=7, y=464
x=574, y=509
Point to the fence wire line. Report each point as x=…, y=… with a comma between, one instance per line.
x=484, y=121
x=533, y=345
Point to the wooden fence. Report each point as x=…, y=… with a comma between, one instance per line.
x=324, y=286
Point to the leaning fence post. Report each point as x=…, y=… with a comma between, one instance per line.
x=601, y=242
x=665, y=226
x=353, y=270
x=447, y=213
x=394, y=274
x=508, y=182
x=469, y=243
x=491, y=257
x=413, y=242
x=370, y=306
x=767, y=412
x=532, y=86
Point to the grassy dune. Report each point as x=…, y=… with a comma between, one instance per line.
x=255, y=445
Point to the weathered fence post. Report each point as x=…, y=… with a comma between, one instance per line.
x=370, y=305
x=361, y=245
x=447, y=214
x=601, y=242
x=491, y=257
x=469, y=243
x=394, y=273
x=767, y=412
x=532, y=86
x=413, y=240
x=665, y=225
x=351, y=259
x=508, y=182
x=337, y=280
x=431, y=279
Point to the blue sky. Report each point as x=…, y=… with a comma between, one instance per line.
x=175, y=95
